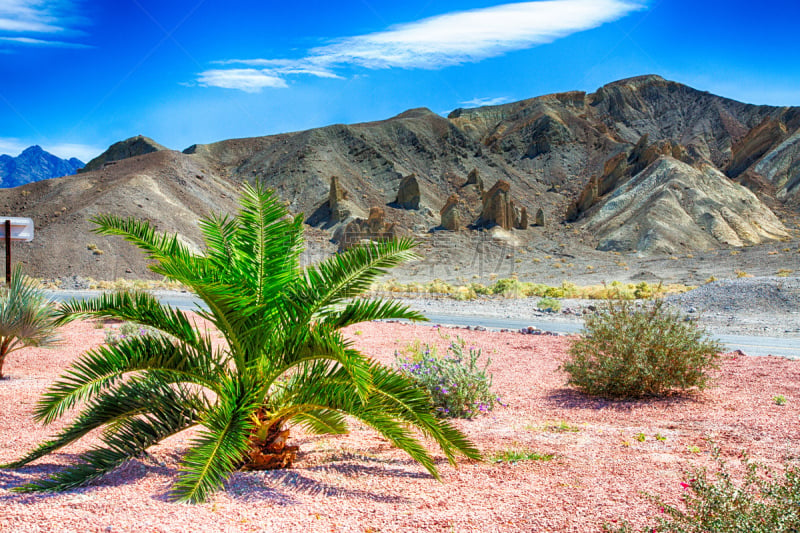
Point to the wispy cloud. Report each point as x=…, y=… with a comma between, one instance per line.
x=33, y=22
x=249, y=80
x=450, y=39
x=480, y=102
x=28, y=41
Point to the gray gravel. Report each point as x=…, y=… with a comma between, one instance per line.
x=768, y=306
x=765, y=306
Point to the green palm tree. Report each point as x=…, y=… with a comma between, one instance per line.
x=284, y=361
x=27, y=317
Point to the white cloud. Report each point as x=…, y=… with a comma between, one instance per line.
x=480, y=102
x=42, y=42
x=249, y=80
x=252, y=80
x=455, y=38
x=25, y=22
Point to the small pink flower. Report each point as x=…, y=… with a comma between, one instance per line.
x=685, y=485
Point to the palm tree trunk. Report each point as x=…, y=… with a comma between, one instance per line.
x=271, y=451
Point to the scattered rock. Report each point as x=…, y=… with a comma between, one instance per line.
x=499, y=209
x=520, y=217
x=374, y=228
x=450, y=219
x=539, y=218
x=408, y=195
x=336, y=197
x=474, y=178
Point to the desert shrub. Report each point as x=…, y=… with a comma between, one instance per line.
x=464, y=293
x=631, y=350
x=763, y=502
x=127, y=330
x=459, y=387
x=569, y=290
x=643, y=290
x=509, y=288
x=438, y=286
x=480, y=288
x=549, y=304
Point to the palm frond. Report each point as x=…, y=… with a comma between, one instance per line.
x=268, y=241
x=320, y=344
x=397, y=395
x=350, y=273
x=130, y=437
x=394, y=405
x=136, y=306
x=113, y=407
x=335, y=395
x=219, y=233
x=142, y=234
x=220, y=447
x=365, y=310
x=101, y=368
x=27, y=316
x=322, y=422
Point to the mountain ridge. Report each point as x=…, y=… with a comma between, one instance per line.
x=561, y=158
x=34, y=164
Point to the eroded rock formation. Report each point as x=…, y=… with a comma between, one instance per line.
x=374, y=228
x=450, y=219
x=408, y=195
x=671, y=207
x=499, y=209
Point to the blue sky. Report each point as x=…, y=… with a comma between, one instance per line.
x=76, y=76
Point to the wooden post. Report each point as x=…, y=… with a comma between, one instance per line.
x=8, y=252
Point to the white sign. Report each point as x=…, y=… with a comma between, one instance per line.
x=21, y=228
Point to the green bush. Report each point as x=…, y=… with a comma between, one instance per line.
x=509, y=288
x=764, y=502
x=458, y=386
x=549, y=303
x=127, y=330
x=632, y=350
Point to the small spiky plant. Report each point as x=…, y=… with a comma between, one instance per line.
x=284, y=361
x=27, y=317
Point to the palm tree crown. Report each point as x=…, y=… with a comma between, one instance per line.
x=284, y=361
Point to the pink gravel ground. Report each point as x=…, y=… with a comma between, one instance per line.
x=357, y=482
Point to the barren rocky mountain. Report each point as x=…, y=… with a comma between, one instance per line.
x=615, y=184
x=132, y=147
x=34, y=164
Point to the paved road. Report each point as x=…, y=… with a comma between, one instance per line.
x=784, y=347
x=751, y=345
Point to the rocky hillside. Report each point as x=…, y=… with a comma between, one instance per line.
x=34, y=164
x=642, y=165
x=132, y=147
